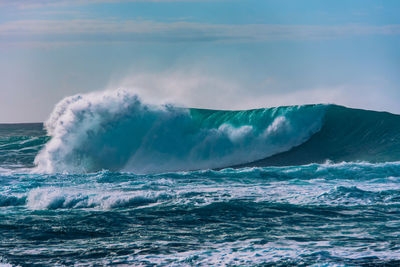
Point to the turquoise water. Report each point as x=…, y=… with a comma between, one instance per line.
x=110, y=180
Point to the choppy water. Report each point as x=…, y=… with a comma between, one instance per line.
x=322, y=214
x=334, y=214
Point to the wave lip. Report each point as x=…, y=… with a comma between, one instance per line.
x=117, y=131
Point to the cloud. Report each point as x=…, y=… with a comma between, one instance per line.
x=78, y=31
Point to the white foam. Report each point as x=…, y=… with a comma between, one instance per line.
x=67, y=198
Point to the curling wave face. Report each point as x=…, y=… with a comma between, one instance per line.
x=115, y=130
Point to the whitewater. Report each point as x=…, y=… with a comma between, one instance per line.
x=112, y=179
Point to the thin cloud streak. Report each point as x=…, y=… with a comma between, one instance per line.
x=37, y=4
x=74, y=31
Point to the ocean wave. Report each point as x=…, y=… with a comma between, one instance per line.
x=117, y=131
x=10, y=200
x=353, y=195
x=302, y=185
x=59, y=198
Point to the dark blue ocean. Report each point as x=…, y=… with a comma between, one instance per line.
x=109, y=180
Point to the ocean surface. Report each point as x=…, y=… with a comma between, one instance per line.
x=109, y=180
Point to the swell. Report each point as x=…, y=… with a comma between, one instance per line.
x=346, y=135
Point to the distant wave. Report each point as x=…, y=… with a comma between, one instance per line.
x=115, y=130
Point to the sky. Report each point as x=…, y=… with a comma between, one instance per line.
x=217, y=54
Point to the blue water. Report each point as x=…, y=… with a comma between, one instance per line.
x=111, y=180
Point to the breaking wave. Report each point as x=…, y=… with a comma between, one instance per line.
x=117, y=131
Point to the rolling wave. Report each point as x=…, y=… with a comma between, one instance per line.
x=115, y=130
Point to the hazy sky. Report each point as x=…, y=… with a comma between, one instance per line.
x=212, y=54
